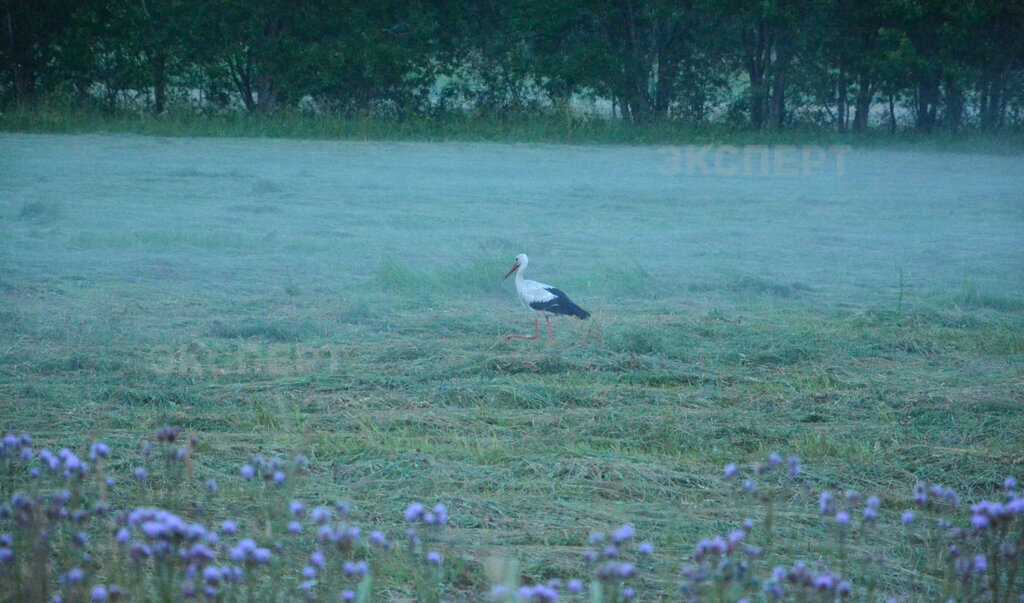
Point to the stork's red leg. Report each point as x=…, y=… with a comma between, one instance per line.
x=536, y=332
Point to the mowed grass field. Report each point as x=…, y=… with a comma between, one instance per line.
x=344, y=300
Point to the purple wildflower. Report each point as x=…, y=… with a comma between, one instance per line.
x=377, y=537
x=979, y=565
x=279, y=477
x=920, y=493
x=623, y=534
x=414, y=512
x=321, y=515
x=730, y=470
x=645, y=548
x=244, y=549
x=908, y=517
x=99, y=593
x=97, y=450
x=842, y=518
x=538, y=592
x=434, y=558
x=296, y=508
x=200, y=552
x=294, y=527
x=440, y=514
x=499, y=591
x=247, y=471
x=140, y=474
x=824, y=582
x=348, y=595
x=72, y=576
x=317, y=559
x=574, y=586
x=826, y=503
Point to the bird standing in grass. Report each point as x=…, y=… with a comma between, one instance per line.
x=542, y=299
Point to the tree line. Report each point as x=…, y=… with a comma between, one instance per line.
x=767, y=64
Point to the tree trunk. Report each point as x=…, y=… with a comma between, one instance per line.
x=240, y=73
x=892, y=113
x=777, y=104
x=991, y=93
x=756, y=50
x=927, y=104
x=865, y=94
x=267, y=91
x=158, y=64
x=841, y=99
x=953, y=117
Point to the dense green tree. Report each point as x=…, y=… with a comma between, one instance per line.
x=31, y=32
x=766, y=63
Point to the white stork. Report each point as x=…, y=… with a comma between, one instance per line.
x=542, y=299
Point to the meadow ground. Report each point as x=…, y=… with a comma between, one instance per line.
x=860, y=309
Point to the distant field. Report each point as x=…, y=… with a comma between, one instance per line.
x=860, y=309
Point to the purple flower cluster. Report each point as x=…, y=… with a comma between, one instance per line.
x=416, y=512
x=989, y=514
x=612, y=565
x=929, y=496
x=247, y=551
x=271, y=470
x=843, y=510
x=345, y=538
x=806, y=581
x=204, y=562
x=16, y=445
x=538, y=593
x=158, y=524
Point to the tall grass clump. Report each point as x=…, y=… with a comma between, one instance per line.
x=471, y=275
x=74, y=528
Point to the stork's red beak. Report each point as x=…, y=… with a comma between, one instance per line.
x=514, y=266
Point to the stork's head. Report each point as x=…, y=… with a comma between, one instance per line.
x=521, y=260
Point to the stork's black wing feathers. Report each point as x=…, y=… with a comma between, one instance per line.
x=559, y=304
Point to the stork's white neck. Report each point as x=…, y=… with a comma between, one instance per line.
x=519, y=273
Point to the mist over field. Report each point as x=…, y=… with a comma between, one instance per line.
x=217, y=218
x=859, y=309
